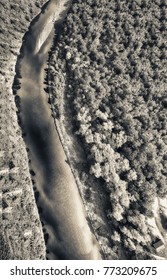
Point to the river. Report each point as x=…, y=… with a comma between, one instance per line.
x=62, y=209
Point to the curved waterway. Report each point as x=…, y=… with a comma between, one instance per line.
x=62, y=210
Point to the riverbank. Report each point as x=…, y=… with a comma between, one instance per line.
x=21, y=230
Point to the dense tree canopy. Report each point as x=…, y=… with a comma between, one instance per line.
x=113, y=54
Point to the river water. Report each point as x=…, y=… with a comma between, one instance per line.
x=62, y=210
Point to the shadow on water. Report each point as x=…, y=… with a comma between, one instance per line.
x=163, y=221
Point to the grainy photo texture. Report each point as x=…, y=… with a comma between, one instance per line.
x=83, y=130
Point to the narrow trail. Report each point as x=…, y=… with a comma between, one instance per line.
x=62, y=210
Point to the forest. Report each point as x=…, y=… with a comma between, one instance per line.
x=113, y=56
x=19, y=215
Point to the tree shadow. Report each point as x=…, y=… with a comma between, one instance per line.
x=163, y=221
